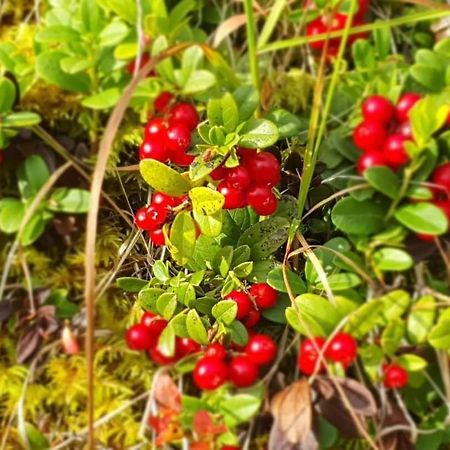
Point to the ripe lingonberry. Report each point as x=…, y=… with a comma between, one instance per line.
x=142, y=220
x=405, y=104
x=156, y=327
x=210, y=373
x=162, y=101
x=395, y=377
x=394, y=151
x=178, y=138
x=308, y=357
x=342, y=349
x=238, y=178
x=184, y=113
x=245, y=155
x=186, y=346
x=147, y=318
x=314, y=28
x=167, y=201
x=153, y=149
x=181, y=159
x=242, y=371
x=160, y=359
x=261, y=349
x=234, y=198
x=216, y=350
x=252, y=318
x=426, y=237
x=156, y=215
x=156, y=129
x=157, y=237
x=444, y=205
x=262, y=200
x=378, y=108
x=405, y=129
x=370, y=159
x=244, y=304
x=145, y=58
x=264, y=169
x=370, y=136
x=138, y=337
x=441, y=177
x=265, y=295
x=219, y=173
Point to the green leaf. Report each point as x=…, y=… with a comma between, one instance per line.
x=7, y=95
x=131, y=284
x=166, y=342
x=423, y=218
x=199, y=80
x=392, y=336
x=421, y=319
x=192, y=57
x=258, y=133
x=69, y=200
x=244, y=269
x=35, y=439
x=32, y=175
x=277, y=313
x=364, y=319
x=178, y=323
x=239, y=408
x=183, y=235
x=33, y=229
x=147, y=298
x=222, y=261
x=91, y=16
x=239, y=334
x=383, y=180
x=195, y=327
x=114, y=33
x=73, y=64
x=21, y=119
x=412, y=363
x=214, y=111
x=57, y=33
x=341, y=281
x=230, y=113
x=48, y=67
x=288, y=124
x=11, y=215
x=166, y=305
x=247, y=98
x=206, y=201
x=161, y=271
x=163, y=179
x=354, y=217
x=186, y=294
x=225, y=311
x=104, y=100
x=392, y=259
x=439, y=336
x=395, y=303
x=209, y=225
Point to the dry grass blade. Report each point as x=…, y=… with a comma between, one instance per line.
x=227, y=27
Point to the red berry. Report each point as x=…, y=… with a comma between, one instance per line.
x=153, y=149
x=370, y=159
x=230, y=447
x=363, y=7
x=262, y=200
x=157, y=237
x=216, y=350
x=145, y=58
x=395, y=377
x=261, y=349
x=441, y=177
x=444, y=205
x=162, y=101
x=252, y=318
x=138, y=337
x=147, y=318
x=264, y=169
x=156, y=327
x=182, y=159
x=2, y=157
x=314, y=28
x=245, y=155
x=160, y=359
x=210, y=373
x=405, y=130
x=157, y=215
x=167, y=201
x=186, y=114
x=425, y=237
x=219, y=173
x=378, y=108
x=234, y=198
x=342, y=349
x=243, y=372
x=370, y=136
x=405, y=104
x=394, y=151
x=186, y=346
x=178, y=138
x=244, y=304
x=142, y=220
x=265, y=295
x=309, y=355
x=238, y=178
x=156, y=129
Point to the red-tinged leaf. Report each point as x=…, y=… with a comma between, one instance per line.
x=200, y=446
x=28, y=344
x=166, y=426
x=167, y=393
x=227, y=27
x=205, y=428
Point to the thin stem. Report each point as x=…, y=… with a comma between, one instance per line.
x=251, y=41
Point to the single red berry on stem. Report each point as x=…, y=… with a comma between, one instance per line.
x=186, y=346
x=262, y=200
x=138, y=337
x=167, y=201
x=178, y=138
x=162, y=101
x=238, y=178
x=395, y=377
x=210, y=373
x=181, y=159
x=234, y=198
x=394, y=151
x=309, y=355
x=314, y=28
x=186, y=114
x=261, y=349
x=252, y=318
x=157, y=237
x=370, y=159
x=378, y=108
x=147, y=318
x=441, y=177
x=265, y=295
x=156, y=129
x=264, y=168
x=153, y=149
x=405, y=104
x=216, y=350
x=342, y=349
x=426, y=237
x=243, y=372
x=369, y=136
x=244, y=304
x=159, y=358
x=157, y=215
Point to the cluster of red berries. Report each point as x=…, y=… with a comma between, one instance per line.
x=342, y=349
x=327, y=23
x=215, y=368
x=144, y=336
x=151, y=218
x=167, y=137
x=261, y=296
x=251, y=182
x=384, y=131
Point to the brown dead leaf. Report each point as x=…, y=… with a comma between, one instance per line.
x=398, y=439
x=227, y=27
x=167, y=393
x=292, y=413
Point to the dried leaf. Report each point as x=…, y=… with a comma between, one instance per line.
x=28, y=344
x=398, y=439
x=291, y=409
x=167, y=394
x=227, y=27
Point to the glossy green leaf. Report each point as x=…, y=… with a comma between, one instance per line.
x=131, y=284
x=103, y=100
x=383, y=180
x=7, y=95
x=230, y=113
x=148, y=297
x=69, y=200
x=364, y=319
x=166, y=305
x=258, y=133
x=411, y=362
x=196, y=328
x=199, y=80
x=247, y=98
x=421, y=319
x=239, y=408
x=21, y=119
x=392, y=336
x=341, y=281
x=225, y=311
x=166, y=342
x=32, y=175
x=392, y=259
x=11, y=214
x=423, y=218
x=33, y=229
x=439, y=336
x=205, y=200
